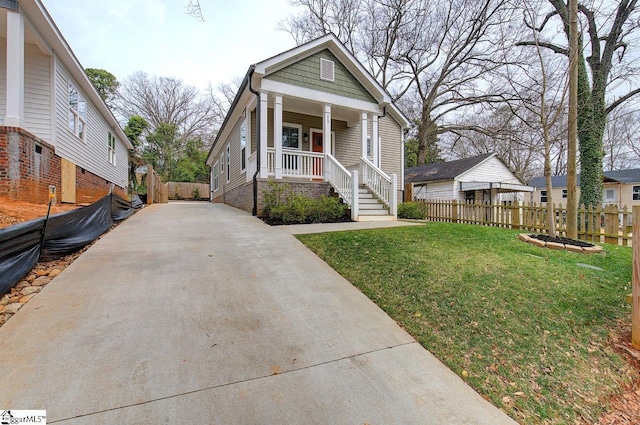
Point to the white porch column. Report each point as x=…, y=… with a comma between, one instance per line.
x=326, y=139
x=364, y=132
x=277, y=134
x=374, y=141
x=264, y=171
x=15, y=70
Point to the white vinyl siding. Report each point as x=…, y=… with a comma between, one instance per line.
x=91, y=155
x=491, y=170
x=37, y=90
x=437, y=190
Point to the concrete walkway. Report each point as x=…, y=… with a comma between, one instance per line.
x=199, y=313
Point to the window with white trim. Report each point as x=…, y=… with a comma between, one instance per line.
x=228, y=164
x=77, y=113
x=243, y=145
x=564, y=193
x=369, y=148
x=112, y=149
x=543, y=196
x=636, y=193
x=216, y=176
x=291, y=136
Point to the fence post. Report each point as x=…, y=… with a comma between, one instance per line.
x=454, y=211
x=150, y=184
x=611, y=225
x=635, y=316
x=408, y=192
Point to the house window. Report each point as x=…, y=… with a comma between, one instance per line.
x=77, y=113
x=564, y=193
x=243, y=146
x=216, y=176
x=291, y=136
x=543, y=196
x=470, y=197
x=636, y=193
x=112, y=149
x=369, y=148
x=228, y=160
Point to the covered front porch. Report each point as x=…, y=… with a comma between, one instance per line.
x=304, y=140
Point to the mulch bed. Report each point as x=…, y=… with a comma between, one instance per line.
x=565, y=241
x=271, y=222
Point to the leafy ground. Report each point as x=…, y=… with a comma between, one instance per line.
x=527, y=327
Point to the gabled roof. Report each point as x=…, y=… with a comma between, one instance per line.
x=616, y=176
x=47, y=29
x=443, y=170
x=330, y=41
x=339, y=50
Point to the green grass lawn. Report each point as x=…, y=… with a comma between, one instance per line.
x=525, y=326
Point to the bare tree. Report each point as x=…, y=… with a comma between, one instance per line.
x=222, y=97
x=604, y=67
x=439, y=56
x=167, y=100
x=621, y=147
x=194, y=9
x=541, y=88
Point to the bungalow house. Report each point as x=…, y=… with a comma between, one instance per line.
x=480, y=179
x=55, y=130
x=619, y=187
x=314, y=118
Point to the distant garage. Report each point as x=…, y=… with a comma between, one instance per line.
x=480, y=179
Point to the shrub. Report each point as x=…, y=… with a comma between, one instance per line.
x=282, y=205
x=412, y=210
x=196, y=193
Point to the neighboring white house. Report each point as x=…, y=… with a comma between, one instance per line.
x=54, y=127
x=314, y=118
x=619, y=187
x=480, y=179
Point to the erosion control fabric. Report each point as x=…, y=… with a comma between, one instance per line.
x=22, y=245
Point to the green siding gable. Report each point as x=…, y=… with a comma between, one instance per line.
x=306, y=73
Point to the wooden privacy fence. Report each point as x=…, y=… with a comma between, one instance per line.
x=157, y=192
x=597, y=224
x=180, y=190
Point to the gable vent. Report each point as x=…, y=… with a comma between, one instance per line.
x=327, y=70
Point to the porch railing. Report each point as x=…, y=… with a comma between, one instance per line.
x=383, y=186
x=297, y=163
x=341, y=179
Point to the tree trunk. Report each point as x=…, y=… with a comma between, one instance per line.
x=592, y=118
x=428, y=151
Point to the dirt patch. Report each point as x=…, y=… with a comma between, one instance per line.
x=14, y=212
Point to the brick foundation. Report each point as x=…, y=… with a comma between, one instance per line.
x=242, y=196
x=29, y=165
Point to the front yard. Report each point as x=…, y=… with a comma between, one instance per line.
x=529, y=328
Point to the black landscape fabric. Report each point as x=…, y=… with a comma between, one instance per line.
x=20, y=245
x=19, y=251
x=71, y=230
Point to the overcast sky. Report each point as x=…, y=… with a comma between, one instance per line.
x=160, y=38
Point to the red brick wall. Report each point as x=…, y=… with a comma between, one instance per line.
x=25, y=174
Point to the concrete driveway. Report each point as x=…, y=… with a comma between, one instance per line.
x=200, y=313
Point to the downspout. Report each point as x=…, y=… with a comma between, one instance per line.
x=255, y=175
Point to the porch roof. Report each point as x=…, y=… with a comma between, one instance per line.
x=499, y=186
